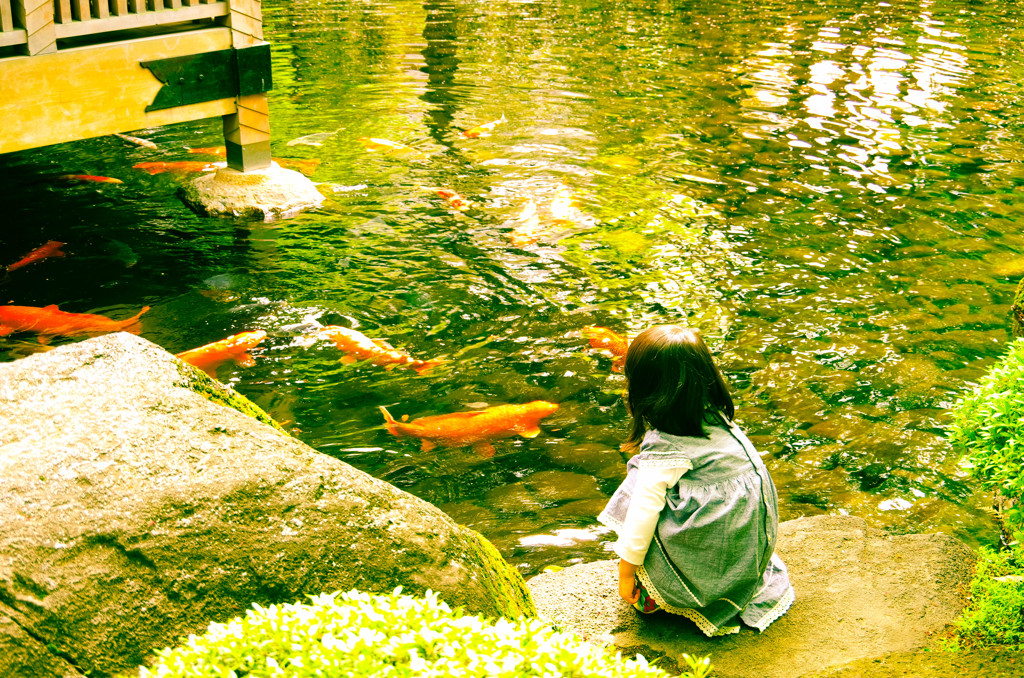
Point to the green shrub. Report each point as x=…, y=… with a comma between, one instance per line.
x=359, y=634
x=995, y=614
x=988, y=425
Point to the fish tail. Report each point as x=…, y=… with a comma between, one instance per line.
x=133, y=324
x=139, y=314
x=389, y=421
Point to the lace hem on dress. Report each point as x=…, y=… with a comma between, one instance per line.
x=702, y=622
x=780, y=609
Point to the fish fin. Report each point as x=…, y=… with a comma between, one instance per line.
x=245, y=360
x=389, y=421
x=484, y=449
x=428, y=365
x=44, y=339
x=427, y=445
x=530, y=432
x=5, y=330
x=51, y=307
x=211, y=371
x=347, y=359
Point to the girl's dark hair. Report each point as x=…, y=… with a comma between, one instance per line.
x=673, y=383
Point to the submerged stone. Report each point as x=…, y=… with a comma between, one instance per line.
x=265, y=194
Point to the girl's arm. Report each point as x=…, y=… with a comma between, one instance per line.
x=645, y=504
x=628, y=589
x=641, y=520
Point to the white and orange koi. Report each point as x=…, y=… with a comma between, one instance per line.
x=454, y=200
x=609, y=340
x=483, y=130
x=358, y=346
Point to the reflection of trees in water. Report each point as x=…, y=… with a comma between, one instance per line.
x=442, y=64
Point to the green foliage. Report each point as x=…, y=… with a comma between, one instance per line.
x=995, y=614
x=989, y=426
x=359, y=634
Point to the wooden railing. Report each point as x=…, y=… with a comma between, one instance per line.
x=40, y=23
x=76, y=18
x=10, y=33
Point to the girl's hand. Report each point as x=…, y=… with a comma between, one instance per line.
x=628, y=590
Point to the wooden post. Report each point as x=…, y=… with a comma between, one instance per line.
x=247, y=131
x=37, y=18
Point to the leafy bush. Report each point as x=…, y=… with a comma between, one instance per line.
x=359, y=634
x=989, y=425
x=995, y=614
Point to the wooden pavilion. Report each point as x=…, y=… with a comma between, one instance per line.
x=74, y=69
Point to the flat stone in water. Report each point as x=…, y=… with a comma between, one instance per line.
x=584, y=510
x=859, y=593
x=601, y=461
x=515, y=498
x=551, y=486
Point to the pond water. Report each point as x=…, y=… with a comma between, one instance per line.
x=830, y=195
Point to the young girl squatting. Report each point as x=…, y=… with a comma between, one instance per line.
x=697, y=515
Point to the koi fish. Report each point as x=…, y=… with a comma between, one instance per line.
x=454, y=200
x=530, y=228
x=89, y=177
x=477, y=429
x=615, y=343
x=50, y=249
x=179, y=166
x=144, y=143
x=236, y=348
x=392, y=148
x=51, y=321
x=358, y=346
x=527, y=227
x=485, y=129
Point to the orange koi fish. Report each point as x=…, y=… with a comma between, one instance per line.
x=392, y=148
x=478, y=429
x=485, y=129
x=236, y=347
x=454, y=200
x=179, y=166
x=358, y=346
x=89, y=177
x=615, y=343
x=144, y=143
x=50, y=321
x=50, y=249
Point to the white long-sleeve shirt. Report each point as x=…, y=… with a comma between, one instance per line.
x=645, y=506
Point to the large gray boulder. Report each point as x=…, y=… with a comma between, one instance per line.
x=859, y=593
x=138, y=504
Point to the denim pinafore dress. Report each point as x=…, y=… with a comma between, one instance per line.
x=712, y=558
